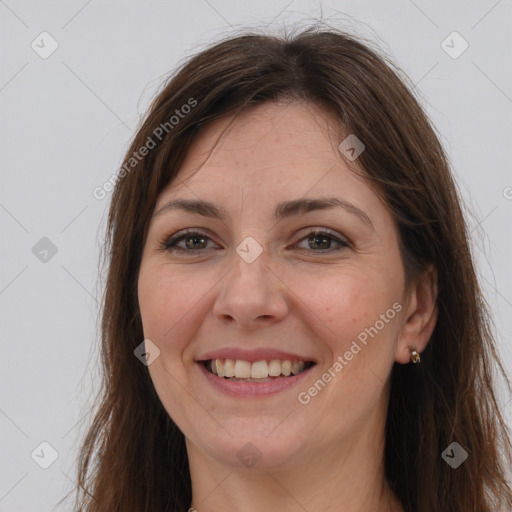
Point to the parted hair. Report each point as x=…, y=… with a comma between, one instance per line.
x=133, y=456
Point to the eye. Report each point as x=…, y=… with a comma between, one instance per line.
x=319, y=240
x=194, y=240
x=322, y=239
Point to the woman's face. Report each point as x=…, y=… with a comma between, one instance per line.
x=256, y=281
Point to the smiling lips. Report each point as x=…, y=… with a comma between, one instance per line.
x=241, y=369
x=254, y=364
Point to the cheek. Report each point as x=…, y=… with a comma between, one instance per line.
x=164, y=300
x=166, y=305
x=349, y=308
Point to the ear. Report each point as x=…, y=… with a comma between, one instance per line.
x=419, y=317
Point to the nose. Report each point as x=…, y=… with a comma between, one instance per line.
x=251, y=295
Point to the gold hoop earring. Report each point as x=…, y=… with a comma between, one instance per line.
x=415, y=357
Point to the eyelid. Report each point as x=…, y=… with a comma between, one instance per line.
x=340, y=239
x=169, y=241
x=328, y=231
x=173, y=238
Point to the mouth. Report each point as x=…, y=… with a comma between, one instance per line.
x=257, y=371
x=244, y=379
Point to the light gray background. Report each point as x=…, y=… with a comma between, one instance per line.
x=67, y=120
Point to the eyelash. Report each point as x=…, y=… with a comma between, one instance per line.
x=168, y=244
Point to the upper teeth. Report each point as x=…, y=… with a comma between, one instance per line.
x=257, y=370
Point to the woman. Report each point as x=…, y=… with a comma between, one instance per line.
x=292, y=319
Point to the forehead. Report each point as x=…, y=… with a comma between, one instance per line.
x=271, y=152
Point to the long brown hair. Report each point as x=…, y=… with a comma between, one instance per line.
x=133, y=456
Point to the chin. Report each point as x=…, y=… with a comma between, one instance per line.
x=254, y=449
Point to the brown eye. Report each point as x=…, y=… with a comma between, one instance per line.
x=193, y=241
x=321, y=241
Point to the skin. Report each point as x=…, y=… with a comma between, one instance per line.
x=328, y=454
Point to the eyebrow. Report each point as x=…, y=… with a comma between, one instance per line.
x=283, y=210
